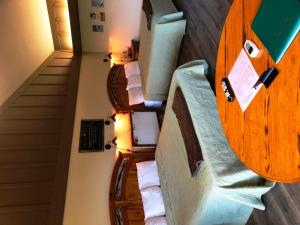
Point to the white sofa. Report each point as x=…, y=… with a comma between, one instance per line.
x=159, y=48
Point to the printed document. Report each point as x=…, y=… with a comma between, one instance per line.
x=242, y=78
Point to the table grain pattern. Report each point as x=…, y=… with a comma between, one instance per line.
x=266, y=137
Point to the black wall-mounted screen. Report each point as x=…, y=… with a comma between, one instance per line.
x=91, y=136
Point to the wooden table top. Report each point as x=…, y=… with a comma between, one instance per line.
x=266, y=137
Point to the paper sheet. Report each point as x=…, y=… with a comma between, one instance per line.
x=242, y=78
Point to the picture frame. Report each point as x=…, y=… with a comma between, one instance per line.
x=98, y=28
x=97, y=3
x=102, y=16
x=93, y=16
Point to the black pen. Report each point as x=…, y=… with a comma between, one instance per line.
x=267, y=77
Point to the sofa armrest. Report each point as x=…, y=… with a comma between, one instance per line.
x=171, y=17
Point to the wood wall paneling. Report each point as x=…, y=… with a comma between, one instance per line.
x=62, y=55
x=33, y=215
x=51, y=80
x=23, y=113
x=61, y=62
x=25, y=194
x=60, y=184
x=26, y=172
x=30, y=126
x=28, y=139
x=40, y=101
x=56, y=70
x=39, y=89
x=35, y=132
x=28, y=155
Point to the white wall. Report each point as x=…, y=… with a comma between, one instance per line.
x=121, y=25
x=90, y=173
x=25, y=42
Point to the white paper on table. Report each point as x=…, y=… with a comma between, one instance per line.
x=242, y=78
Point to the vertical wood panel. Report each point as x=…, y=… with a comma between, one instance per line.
x=60, y=62
x=28, y=156
x=56, y=70
x=31, y=126
x=75, y=26
x=63, y=55
x=40, y=101
x=25, y=215
x=48, y=79
x=27, y=173
x=29, y=139
x=28, y=194
x=59, y=193
x=57, y=15
x=46, y=90
x=23, y=113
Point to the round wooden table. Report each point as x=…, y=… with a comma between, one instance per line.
x=266, y=137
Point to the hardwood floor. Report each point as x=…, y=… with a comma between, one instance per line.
x=36, y=125
x=205, y=19
x=282, y=206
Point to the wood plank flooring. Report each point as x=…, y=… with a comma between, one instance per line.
x=35, y=134
x=205, y=19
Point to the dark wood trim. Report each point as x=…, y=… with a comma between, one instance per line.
x=75, y=26
x=53, y=25
x=123, y=204
x=111, y=85
x=112, y=192
x=60, y=184
x=116, y=90
x=117, y=93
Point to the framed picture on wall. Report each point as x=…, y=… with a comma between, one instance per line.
x=98, y=28
x=102, y=16
x=97, y=3
x=93, y=16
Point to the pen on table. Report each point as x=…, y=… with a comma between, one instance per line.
x=267, y=77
